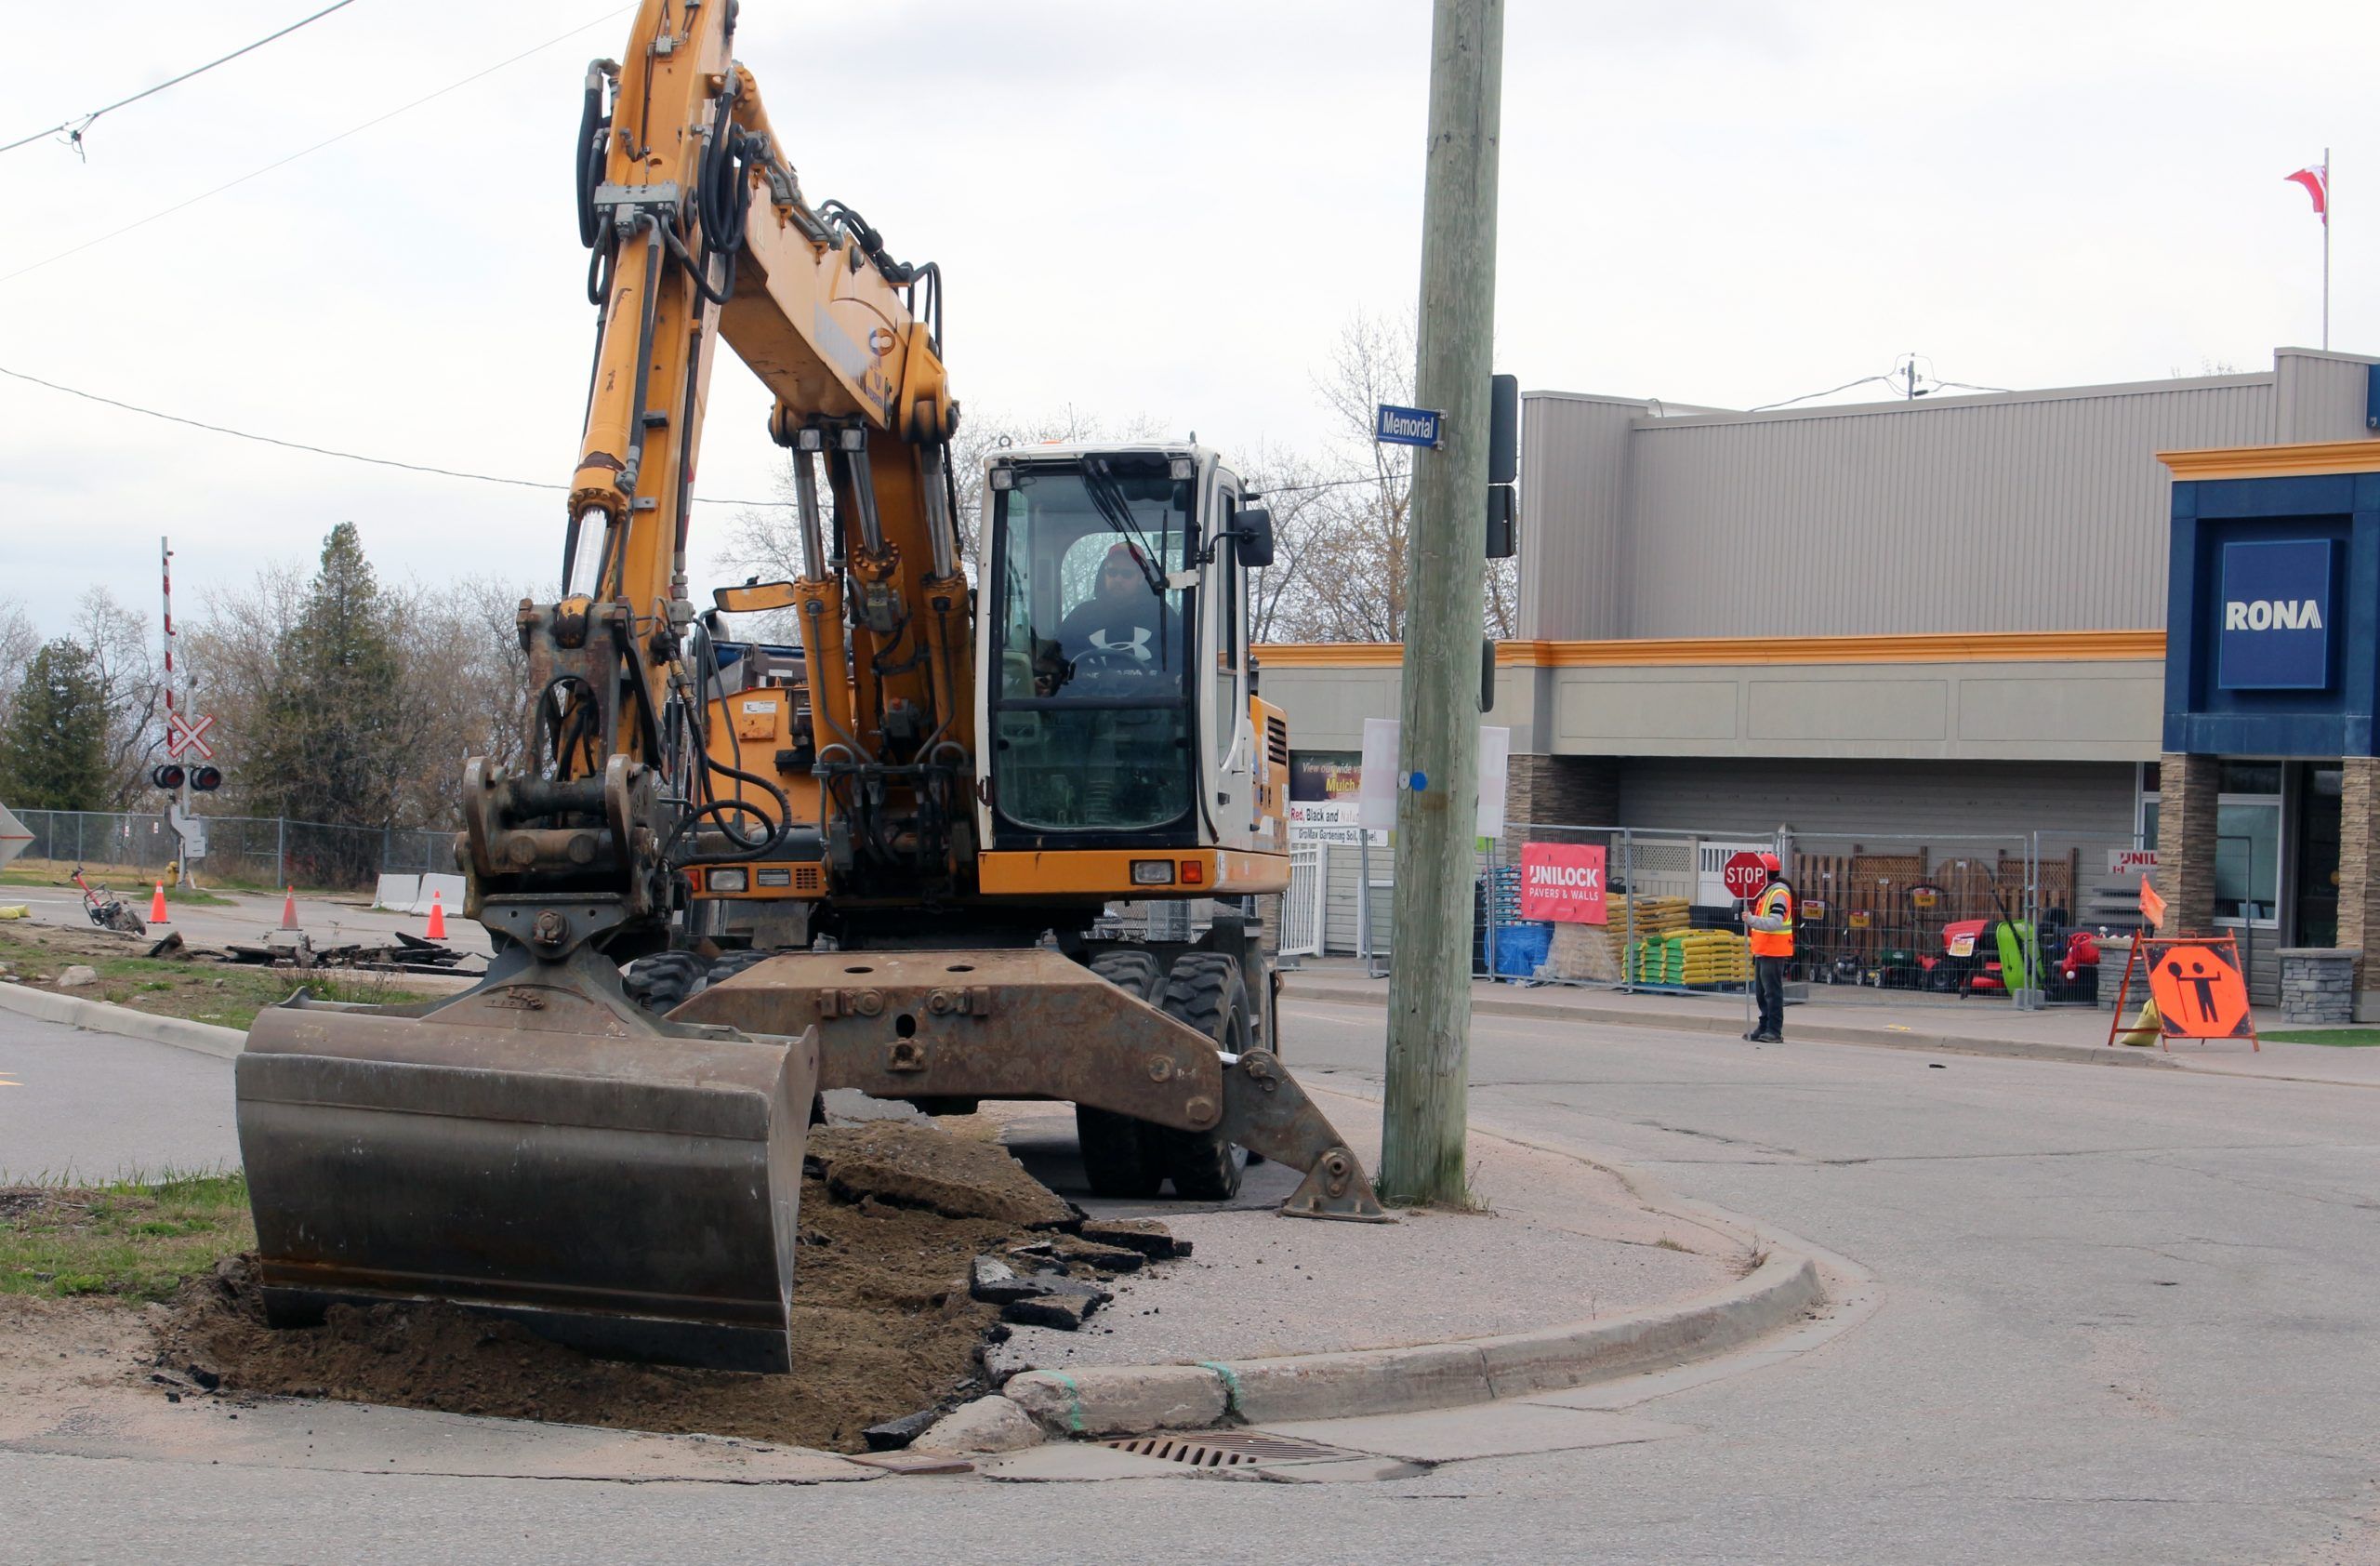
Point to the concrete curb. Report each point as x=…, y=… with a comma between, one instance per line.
x=1801, y=1032
x=1096, y=1401
x=99, y=1017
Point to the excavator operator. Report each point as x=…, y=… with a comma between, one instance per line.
x=1123, y=625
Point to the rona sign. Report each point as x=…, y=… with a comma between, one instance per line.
x=2275, y=630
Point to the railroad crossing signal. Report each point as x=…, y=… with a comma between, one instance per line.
x=184, y=735
x=2198, y=994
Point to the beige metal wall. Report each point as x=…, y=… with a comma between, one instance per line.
x=2001, y=710
x=1574, y=501
x=2022, y=511
x=1983, y=710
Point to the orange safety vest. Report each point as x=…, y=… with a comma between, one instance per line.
x=1775, y=899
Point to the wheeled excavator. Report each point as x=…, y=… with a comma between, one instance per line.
x=873, y=854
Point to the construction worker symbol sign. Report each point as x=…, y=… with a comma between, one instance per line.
x=2198, y=994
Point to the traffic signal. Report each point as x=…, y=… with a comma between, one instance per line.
x=205, y=779
x=168, y=775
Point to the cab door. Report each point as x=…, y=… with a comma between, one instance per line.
x=1227, y=740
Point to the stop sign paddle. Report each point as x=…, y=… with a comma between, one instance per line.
x=1745, y=876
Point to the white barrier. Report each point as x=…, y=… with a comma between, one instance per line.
x=449, y=888
x=397, y=892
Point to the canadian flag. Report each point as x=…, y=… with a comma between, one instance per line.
x=2316, y=177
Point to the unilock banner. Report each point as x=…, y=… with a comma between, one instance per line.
x=1564, y=882
x=2275, y=633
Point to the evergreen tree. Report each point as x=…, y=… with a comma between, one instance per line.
x=331, y=740
x=53, y=752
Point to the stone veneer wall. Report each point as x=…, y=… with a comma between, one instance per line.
x=2318, y=983
x=2186, y=787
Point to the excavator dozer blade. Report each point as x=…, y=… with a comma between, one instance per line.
x=536, y=1149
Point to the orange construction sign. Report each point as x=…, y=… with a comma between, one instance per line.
x=2152, y=906
x=2198, y=994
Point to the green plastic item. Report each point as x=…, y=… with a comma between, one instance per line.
x=2014, y=937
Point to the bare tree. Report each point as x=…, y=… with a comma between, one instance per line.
x=230, y=650
x=130, y=672
x=19, y=641
x=464, y=681
x=1343, y=519
x=460, y=685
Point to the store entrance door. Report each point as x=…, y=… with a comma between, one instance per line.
x=2317, y=922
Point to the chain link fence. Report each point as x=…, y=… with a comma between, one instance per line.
x=240, y=850
x=2033, y=918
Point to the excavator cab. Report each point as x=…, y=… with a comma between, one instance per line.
x=1122, y=714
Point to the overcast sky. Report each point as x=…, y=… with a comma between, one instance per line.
x=1168, y=210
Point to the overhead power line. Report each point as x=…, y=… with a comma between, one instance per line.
x=305, y=151
x=76, y=126
x=1827, y=392
x=327, y=451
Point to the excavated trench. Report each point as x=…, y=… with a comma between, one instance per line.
x=893, y=1217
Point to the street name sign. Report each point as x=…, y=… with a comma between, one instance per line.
x=1408, y=426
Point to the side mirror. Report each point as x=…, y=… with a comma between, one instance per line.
x=1252, y=536
x=755, y=596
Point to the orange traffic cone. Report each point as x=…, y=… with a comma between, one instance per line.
x=157, y=914
x=437, y=931
x=289, y=910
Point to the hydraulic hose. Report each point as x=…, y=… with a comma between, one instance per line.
x=594, y=129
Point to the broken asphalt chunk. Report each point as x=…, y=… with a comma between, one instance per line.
x=1066, y=1312
x=893, y=1435
x=1147, y=1236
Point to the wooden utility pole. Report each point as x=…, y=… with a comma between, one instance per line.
x=1422, y=1135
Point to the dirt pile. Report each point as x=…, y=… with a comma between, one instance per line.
x=920, y=1167
x=892, y=1219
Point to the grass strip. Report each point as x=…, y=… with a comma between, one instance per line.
x=135, y=1239
x=227, y=994
x=2337, y=1038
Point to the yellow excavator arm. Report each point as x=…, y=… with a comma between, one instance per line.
x=700, y=232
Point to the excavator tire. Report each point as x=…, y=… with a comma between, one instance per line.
x=1206, y=990
x=1118, y=1151
x=661, y=983
x=735, y=962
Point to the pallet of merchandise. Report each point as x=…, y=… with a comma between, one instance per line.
x=1587, y=952
x=1600, y=953
x=1646, y=916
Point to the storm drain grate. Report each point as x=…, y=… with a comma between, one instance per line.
x=1226, y=1449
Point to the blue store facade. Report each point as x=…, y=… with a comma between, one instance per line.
x=2266, y=804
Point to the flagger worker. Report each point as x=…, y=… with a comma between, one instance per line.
x=1770, y=922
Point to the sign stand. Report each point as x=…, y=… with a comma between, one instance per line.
x=2196, y=983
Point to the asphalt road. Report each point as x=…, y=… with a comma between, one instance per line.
x=93, y=1106
x=2124, y=1316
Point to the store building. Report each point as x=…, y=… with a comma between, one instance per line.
x=1948, y=618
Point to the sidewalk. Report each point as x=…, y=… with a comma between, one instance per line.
x=1880, y=1018
x=1558, y=1240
